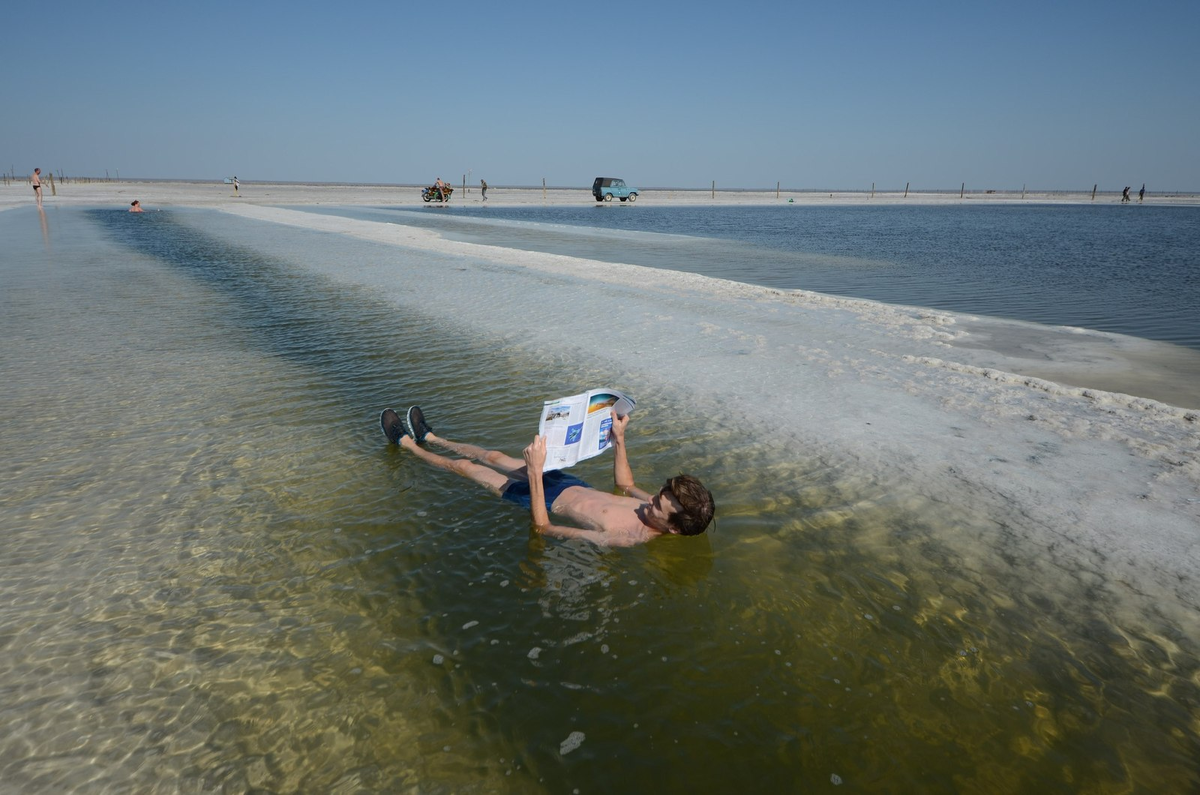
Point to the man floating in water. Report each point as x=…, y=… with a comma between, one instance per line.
x=683, y=506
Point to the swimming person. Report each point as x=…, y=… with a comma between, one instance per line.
x=683, y=506
x=135, y=206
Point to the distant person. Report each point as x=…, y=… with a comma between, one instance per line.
x=1125, y=194
x=440, y=188
x=236, y=185
x=683, y=506
x=36, y=179
x=135, y=206
x=483, y=189
x=1142, y=193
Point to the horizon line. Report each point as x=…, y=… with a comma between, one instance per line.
x=780, y=189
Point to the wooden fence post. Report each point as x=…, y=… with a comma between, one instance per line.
x=543, y=189
x=714, y=190
x=1094, y=191
x=872, y=190
x=962, y=190
x=906, y=184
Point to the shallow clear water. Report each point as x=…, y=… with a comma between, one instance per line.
x=1127, y=269
x=215, y=575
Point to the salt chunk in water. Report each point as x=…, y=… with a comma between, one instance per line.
x=573, y=741
x=835, y=779
x=438, y=659
x=534, y=652
x=470, y=624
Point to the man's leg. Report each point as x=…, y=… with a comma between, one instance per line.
x=485, y=476
x=493, y=458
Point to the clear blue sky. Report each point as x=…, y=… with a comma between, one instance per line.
x=1055, y=95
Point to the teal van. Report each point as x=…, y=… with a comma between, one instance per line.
x=605, y=188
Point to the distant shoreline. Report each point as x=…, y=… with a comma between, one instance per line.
x=164, y=193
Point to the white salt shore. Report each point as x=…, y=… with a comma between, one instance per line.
x=1098, y=481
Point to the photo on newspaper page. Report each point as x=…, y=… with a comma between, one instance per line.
x=577, y=427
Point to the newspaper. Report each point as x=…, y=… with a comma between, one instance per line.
x=576, y=427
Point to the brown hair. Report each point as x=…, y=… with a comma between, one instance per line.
x=696, y=505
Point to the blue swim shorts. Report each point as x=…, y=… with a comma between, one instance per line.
x=554, y=482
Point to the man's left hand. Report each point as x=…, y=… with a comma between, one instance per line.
x=535, y=455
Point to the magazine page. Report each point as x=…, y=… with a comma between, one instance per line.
x=577, y=427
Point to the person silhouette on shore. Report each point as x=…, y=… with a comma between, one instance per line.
x=483, y=188
x=1142, y=193
x=1125, y=194
x=683, y=506
x=236, y=185
x=36, y=179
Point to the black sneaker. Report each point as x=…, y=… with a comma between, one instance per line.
x=392, y=427
x=417, y=427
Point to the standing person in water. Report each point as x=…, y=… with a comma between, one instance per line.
x=683, y=506
x=135, y=206
x=36, y=179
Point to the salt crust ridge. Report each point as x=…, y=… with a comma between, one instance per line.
x=1105, y=484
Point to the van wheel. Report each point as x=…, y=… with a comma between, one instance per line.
x=608, y=197
x=633, y=197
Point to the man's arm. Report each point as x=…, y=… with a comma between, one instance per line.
x=622, y=474
x=560, y=531
x=535, y=460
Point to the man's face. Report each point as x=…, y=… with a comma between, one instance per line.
x=663, y=505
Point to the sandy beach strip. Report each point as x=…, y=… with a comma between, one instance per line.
x=209, y=194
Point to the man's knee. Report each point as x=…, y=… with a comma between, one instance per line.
x=495, y=457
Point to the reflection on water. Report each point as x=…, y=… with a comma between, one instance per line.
x=45, y=228
x=216, y=575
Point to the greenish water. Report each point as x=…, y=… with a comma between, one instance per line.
x=217, y=577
